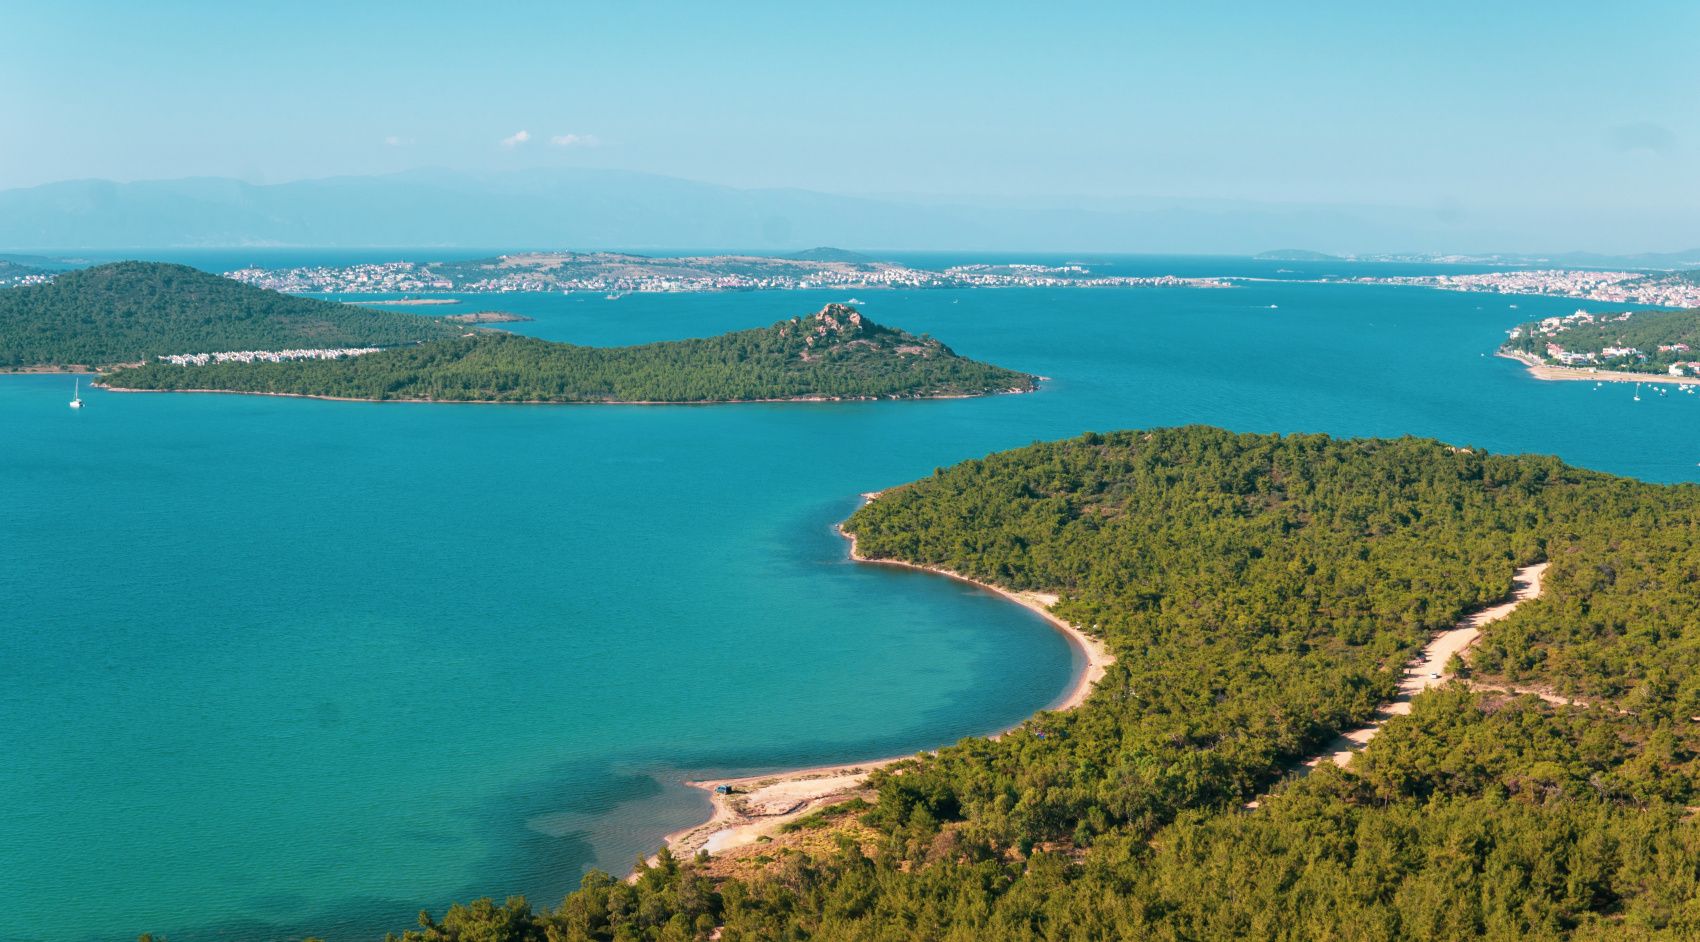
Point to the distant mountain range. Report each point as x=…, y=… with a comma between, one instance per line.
x=1665, y=260
x=602, y=209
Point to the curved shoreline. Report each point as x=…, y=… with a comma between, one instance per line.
x=573, y=402
x=1098, y=657
x=747, y=808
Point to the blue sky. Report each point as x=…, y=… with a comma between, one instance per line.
x=1454, y=107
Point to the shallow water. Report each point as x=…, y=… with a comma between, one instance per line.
x=274, y=666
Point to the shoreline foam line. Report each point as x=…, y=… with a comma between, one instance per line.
x=756, y=806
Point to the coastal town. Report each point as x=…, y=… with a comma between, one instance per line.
x=1594, y=342
x=21, y=277
x=381, y=277
x=1658, y=289
x=22, y=281
x=613, y=274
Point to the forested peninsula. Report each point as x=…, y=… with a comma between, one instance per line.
x=834, y=353
x=1260, y=593
x=130, y=312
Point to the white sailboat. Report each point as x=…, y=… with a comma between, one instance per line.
x=77, y=395
x=1637, y=392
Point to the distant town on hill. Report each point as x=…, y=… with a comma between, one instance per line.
x=1661, y=289
x=622, y=272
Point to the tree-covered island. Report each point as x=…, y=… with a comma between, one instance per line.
x=169, y=327
x=834, y=353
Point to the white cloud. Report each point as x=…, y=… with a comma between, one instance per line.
x=575, y=140
x=517, y=138
x=394, y=141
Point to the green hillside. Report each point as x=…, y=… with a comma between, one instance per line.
x=128, y=312
x=835, y=353
x=12, y=271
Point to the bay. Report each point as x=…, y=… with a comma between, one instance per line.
x=277, y=666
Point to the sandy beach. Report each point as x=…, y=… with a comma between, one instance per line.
x=1098, y=657
x=757, y=806
x=1540, y=370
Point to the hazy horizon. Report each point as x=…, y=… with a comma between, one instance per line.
x=1451, y=128
x=598, y=209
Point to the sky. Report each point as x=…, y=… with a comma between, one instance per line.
x=1456, y=108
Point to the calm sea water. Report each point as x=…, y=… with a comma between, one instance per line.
x=278, y=666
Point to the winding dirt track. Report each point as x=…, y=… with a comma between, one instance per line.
x=1428, y=669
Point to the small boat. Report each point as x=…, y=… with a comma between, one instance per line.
x=1274, y=306
x=77, y=394
x=1637, y=392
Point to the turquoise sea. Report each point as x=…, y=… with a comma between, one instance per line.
x=278, y=666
